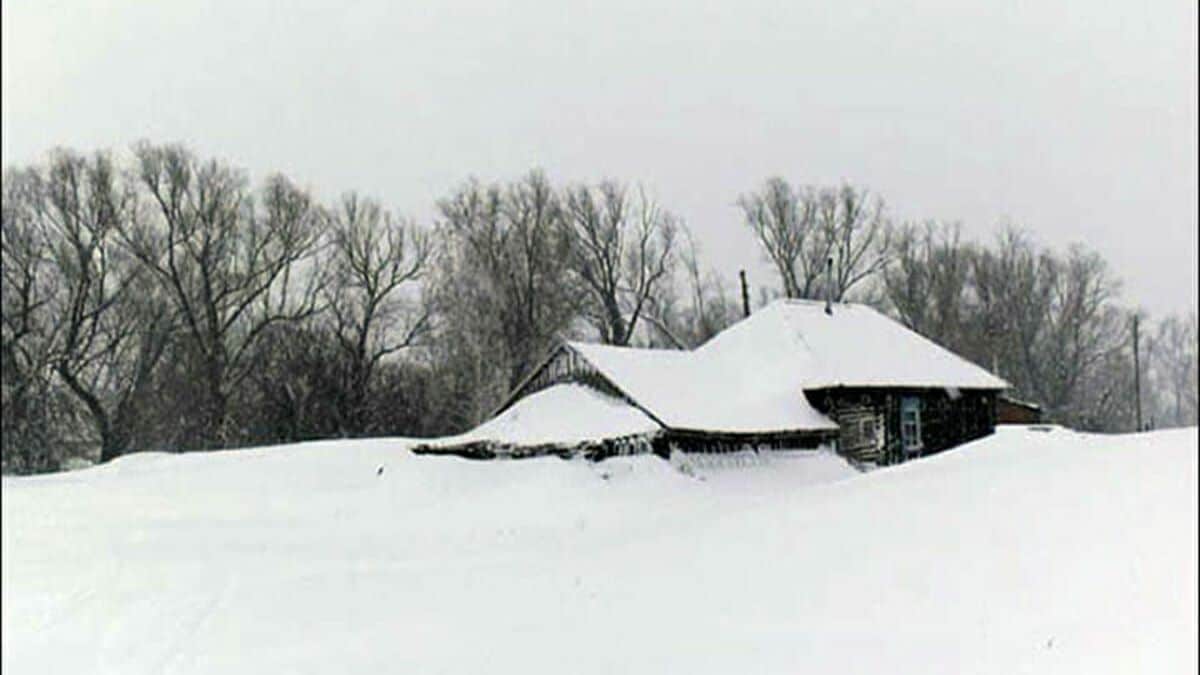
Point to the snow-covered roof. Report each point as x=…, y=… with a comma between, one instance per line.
x=690, y=391
x=750, y=377
x=1020, y=402
x=855, y=346
x=562, y=414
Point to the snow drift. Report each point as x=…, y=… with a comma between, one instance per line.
x=1025, y=552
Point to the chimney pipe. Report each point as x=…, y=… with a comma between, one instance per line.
x=829, y=285
x=745, y=294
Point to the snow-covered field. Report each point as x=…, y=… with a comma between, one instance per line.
x=1025, y=552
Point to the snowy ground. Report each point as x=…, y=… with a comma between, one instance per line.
x=1026, y=552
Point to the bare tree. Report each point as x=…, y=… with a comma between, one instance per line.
x=1050, y=321
x=800, y=229
x=111, y=333
x=374, y=295
x=621, y=249
x=297, y=388
x=784, y=220
x=695, y=306
x=1083, y=328
x=29, y=284
x=32, y=409
x=855, y=235
x=1173, y=370
x=1104, y=399
x=232, y=267
x=928, y=283
x=506, y=263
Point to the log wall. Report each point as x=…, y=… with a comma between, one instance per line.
x=566, y=365
x=948, y=419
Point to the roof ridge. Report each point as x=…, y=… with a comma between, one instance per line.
x=601, y=345
x=812, y=302
x=809, y=305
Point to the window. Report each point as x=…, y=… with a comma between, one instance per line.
x=866, y=431
x=861, y=433
x=910, y=423
x=850, y=435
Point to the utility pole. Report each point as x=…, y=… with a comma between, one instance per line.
x=829, y=285
x=745, y=294
x=1137, y=374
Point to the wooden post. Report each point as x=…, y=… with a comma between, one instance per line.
x=745, y=294
x=1137, y=374
x=829, y=285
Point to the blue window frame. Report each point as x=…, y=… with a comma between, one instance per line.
x=910, y=423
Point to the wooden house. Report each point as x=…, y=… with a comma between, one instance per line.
x=796, y=374
x=1013, y=411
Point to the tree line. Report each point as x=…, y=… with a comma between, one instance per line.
x=163, y=301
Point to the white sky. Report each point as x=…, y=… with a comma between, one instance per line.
x=1077, y=126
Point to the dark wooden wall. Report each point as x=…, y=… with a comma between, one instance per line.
x=705, y=441
x=594, y=450
x=662, y=442
x=870, y=420
x=1009, y=411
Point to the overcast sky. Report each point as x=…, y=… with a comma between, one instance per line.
x=1076, y=126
